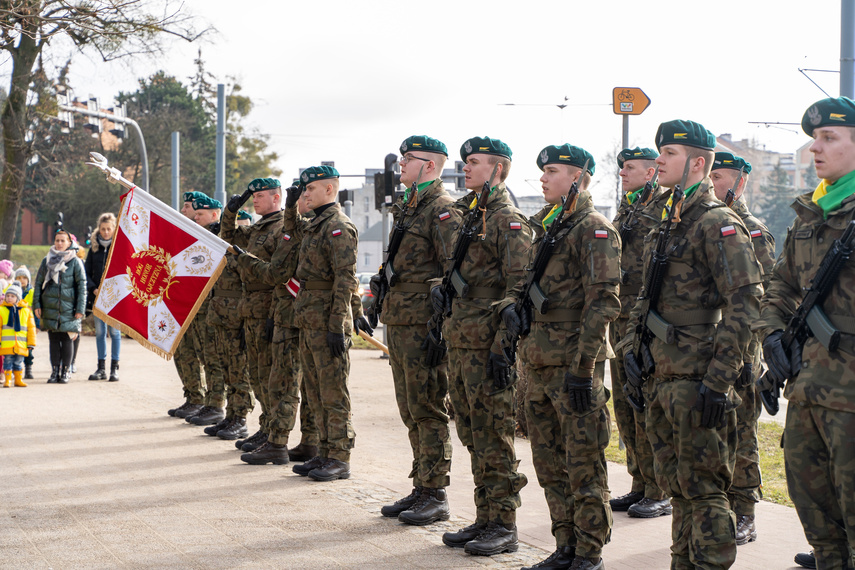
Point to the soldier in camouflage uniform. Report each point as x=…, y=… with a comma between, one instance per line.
x=818, y=450
x=710, y=294
x=645, y=499
x=482, y=392
x=564, y=354
x=326, y=311
x=745, y=490
x=207, y=214
x=419, y=390
x=186, y=358
x=226, y=325
x=261, y=239
x=283, y=387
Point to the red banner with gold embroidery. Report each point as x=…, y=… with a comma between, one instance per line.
x=160, y=268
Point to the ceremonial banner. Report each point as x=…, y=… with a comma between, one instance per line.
x=160, y=268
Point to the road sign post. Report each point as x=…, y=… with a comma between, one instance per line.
x=628, y=101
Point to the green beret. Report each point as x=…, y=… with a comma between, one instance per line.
x=485, y=145
x=260, y=184
x=318, y=173
x=636, y=154
x=423, y=143
x=244, y=215
x=206, y=203
x=565, y=154
x=688, y=133
x=731, y=161
x=829, y=112
x=190, y=196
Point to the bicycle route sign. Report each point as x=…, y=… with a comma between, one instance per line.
x=629, y=101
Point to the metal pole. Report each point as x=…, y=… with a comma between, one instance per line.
x=847, y=48
x=625, y=143
x=220, y=189
x=176, y=162
x=143, y=154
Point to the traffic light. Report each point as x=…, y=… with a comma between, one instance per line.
x=386, y=182
x=460, y=179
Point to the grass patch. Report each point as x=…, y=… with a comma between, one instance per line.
x=771, y=458
x=29, y=255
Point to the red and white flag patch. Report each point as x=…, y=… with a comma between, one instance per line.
x=601, y=234
x=444, y=216
x=756, y=233
x=336, y=233
x=728, y=231
x=293, y=286
x=515, y=226
x=286, y=237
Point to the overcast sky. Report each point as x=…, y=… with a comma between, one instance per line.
x=349, y=80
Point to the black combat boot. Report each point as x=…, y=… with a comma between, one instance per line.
x=235, y=430
x=223, y=424
x=267, y=453
x=331, y=470
x=461, y=537
x=745, y=530
x=494, y=539
x=28, y=372
x=308, y=466
x=624, y=502
x=401, y=505
x=207, y=416
x=303, y=452
x=54, y=375
x=805, y=559
x=255, y=441
x=114, y=371
x=181, y=408
x=64, y=375
x=99, y=374
x=189, y=410
x=650, y=508
x=582, y=563
x=431, y=506
x=561, y=559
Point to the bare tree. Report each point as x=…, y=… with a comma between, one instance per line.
x=113, y=29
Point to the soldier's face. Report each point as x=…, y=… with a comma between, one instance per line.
x=634, y=175
x=411, y=164
x=557, y=180
x=265, y=201
x=723, y=180
x=671, y=161
x=302, y=206
x=833, y=152
x=478, y=169
x=205, y=217
x=318, y=193
x=187, y=210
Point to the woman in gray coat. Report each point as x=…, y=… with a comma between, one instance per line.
x=59, y=299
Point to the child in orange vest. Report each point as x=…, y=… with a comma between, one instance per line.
x=18, y=334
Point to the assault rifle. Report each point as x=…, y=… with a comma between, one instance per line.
x=531, y=294
x=650, y=323
x=809, y=318
x=453, y=282
x=388, y=276
x=731, y=192
x=646, y=193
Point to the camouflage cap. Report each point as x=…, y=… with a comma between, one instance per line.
x=565, y=154
x=314, y=173
x=192, y=195
x=423, y=143
x=687, y=133
x=260, y=184
x=636, y=154
x=244, y=215
x=731, y=161
x=484, y=145
x=206, y=203
x=838, y=111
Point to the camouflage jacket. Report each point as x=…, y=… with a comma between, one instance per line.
x=825, y=379
x=632, y=252
x=711, y=267
x=328, y=259
x=261, y=239
x=764, y=249
x=421, y=256
x=496, y=263
x=224, y=309
x=279, y=271
x=582, y=275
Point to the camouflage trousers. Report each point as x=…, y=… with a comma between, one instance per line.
x=420, y=392
x=568, y=453
x=485, y=425
x=309, y=434
x=325, y=378
x=259, y=357
x=694, y=465
x=632, y=428
x=283, y=387
x=820, y=464
x=190, y=370
x=745, y=491
x=215, y=393
x=239, y=396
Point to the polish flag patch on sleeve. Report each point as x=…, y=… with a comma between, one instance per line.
x=728, y=231
x=601, y=234
x=756, y=233
x=336, y=233
x=515, y=225
x=286, y=237
x=444, y=216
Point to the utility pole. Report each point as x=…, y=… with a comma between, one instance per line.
x=220, y=165
x=847, y=48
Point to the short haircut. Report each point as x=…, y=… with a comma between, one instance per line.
x=505, y=162
x=439, y=160
x=707, y=155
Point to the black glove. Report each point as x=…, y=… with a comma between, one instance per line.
x=647, y=359
x=375, y=284
x=781, y=366
x=633, y=370
x=435, y=349
x=292, y=194
x=335, y=342
x=372, y=316
x=712, y=404
x=580, y=389
x=362, y=324
x=236, y=201
x=500, y=370
x=268, y=330
x=746, y=377
x=242, y=340
x=237, y=250
x=438, y=300
x=512, y=320
x=215, y=228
